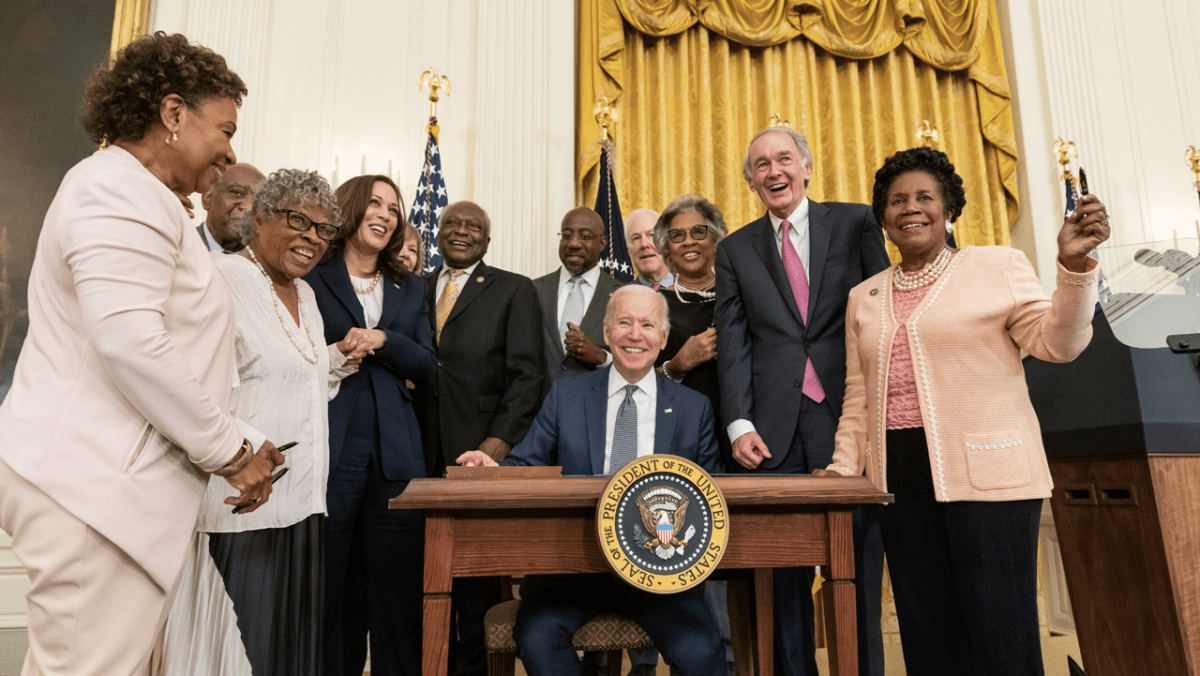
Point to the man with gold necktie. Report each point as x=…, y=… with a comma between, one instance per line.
x=491, y=371
x=782, y=285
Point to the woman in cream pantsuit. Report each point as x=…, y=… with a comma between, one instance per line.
x=119, y=407
x=937, y=412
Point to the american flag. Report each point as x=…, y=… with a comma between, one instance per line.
x=615, y=259
x=428, y=204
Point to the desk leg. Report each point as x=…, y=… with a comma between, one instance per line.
x=439, y=548
x=840, y=624
x=764, y=619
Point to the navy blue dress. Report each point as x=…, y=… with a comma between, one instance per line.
x=374, y=555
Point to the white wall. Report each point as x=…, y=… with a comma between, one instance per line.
x=333, y=87
x=1120, y=78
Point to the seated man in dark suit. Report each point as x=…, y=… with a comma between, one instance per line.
x=583, y=425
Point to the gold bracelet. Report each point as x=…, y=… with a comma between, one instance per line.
x=239, y=462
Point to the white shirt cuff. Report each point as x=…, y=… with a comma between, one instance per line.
x=739, y=427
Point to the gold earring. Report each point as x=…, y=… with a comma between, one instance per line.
x=172, y=137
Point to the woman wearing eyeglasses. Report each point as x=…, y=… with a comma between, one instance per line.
x=250, y=596
x=374, y=555
x=687, y=234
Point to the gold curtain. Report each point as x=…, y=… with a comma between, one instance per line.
x=131, y=20
x=694, y=79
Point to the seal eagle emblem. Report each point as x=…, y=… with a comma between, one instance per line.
x=664, y=513
x=662, y=523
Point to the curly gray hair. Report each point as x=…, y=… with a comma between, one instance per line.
x=681, y=205
x=284, y=187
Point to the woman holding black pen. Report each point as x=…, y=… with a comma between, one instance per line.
x=251, y=598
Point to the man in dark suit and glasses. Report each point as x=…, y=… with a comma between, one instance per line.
x=782, y=285
x=491, y=372
x=573, y=298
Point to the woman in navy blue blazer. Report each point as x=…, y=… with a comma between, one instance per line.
x=374, y=555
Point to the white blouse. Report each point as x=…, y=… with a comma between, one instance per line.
x=281, y=397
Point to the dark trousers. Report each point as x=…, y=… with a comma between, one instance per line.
x=964, y=573
x=795, y=649
x=374, y=562
x=554, y=607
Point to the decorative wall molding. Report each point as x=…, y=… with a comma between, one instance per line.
x=339, y=95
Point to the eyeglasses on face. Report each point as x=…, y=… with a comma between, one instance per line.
x=585, y=235
x=699, y=232
x=301, y=223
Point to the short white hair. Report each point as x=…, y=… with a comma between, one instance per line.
x=664, y=323
x=801, y=145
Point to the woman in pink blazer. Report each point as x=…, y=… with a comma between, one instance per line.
x=119, y=407
x=937, y=413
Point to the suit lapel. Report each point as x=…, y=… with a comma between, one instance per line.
x=665, y=418
x=391, y=301
x=430, y=299
x=764, y=242
x=472, y=287
x=337, y=278
x=595, y=412
x=548, y=296
x=593, y=320
x=820, y=227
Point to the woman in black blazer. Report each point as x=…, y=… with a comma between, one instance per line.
x=373, y=555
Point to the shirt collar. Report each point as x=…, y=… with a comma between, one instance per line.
x=466, y=271
x=592, y=276
x=617, y=383
x=798, y=218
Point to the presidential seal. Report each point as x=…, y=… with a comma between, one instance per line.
x=662, y=523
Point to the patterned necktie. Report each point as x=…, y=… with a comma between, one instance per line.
x=573, y=310
x=446, y=303
x=624, y=445
x=799, y=282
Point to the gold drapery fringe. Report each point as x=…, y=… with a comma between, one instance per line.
x=694, y=79
x=130, y=22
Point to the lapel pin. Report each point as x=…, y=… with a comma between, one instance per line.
x=479, y=279
x=395, y=285
x=667, y=410
x=874, y=292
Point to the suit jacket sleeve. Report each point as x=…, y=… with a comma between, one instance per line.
x=410, y=356
x=120, y=266
x=540, y=445
x=733, y=343
x=1056, y=329
x=708, y=456
x=524, y=366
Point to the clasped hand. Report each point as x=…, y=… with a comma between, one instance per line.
x=581, y=347
x=1084, y=230
x=253, y=482
x=359, y=343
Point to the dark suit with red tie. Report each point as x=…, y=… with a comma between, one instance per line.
x=763, y=345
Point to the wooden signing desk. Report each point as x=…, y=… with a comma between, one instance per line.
x=479, y=527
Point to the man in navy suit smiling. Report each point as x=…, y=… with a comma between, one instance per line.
x=593, y=424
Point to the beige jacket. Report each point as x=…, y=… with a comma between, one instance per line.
x=965, y=338
x=120, y=401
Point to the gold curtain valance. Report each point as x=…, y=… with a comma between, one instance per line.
x=948, y=35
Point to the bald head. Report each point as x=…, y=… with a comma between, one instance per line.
x=227, y=199
x=582, y=240
x=639, y=237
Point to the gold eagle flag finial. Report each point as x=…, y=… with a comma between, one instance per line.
x=1192, y=156
x=1065, y=150
x=778, y=121
x=927, y=135
x=605, y=112
x=436, y=82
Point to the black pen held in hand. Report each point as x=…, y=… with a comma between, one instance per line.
x=277, y=475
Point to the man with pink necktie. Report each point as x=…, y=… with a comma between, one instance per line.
x=782, y=285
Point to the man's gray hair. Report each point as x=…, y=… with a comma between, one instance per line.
x=801, y=145
x=664, y=323
x=288, y=186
